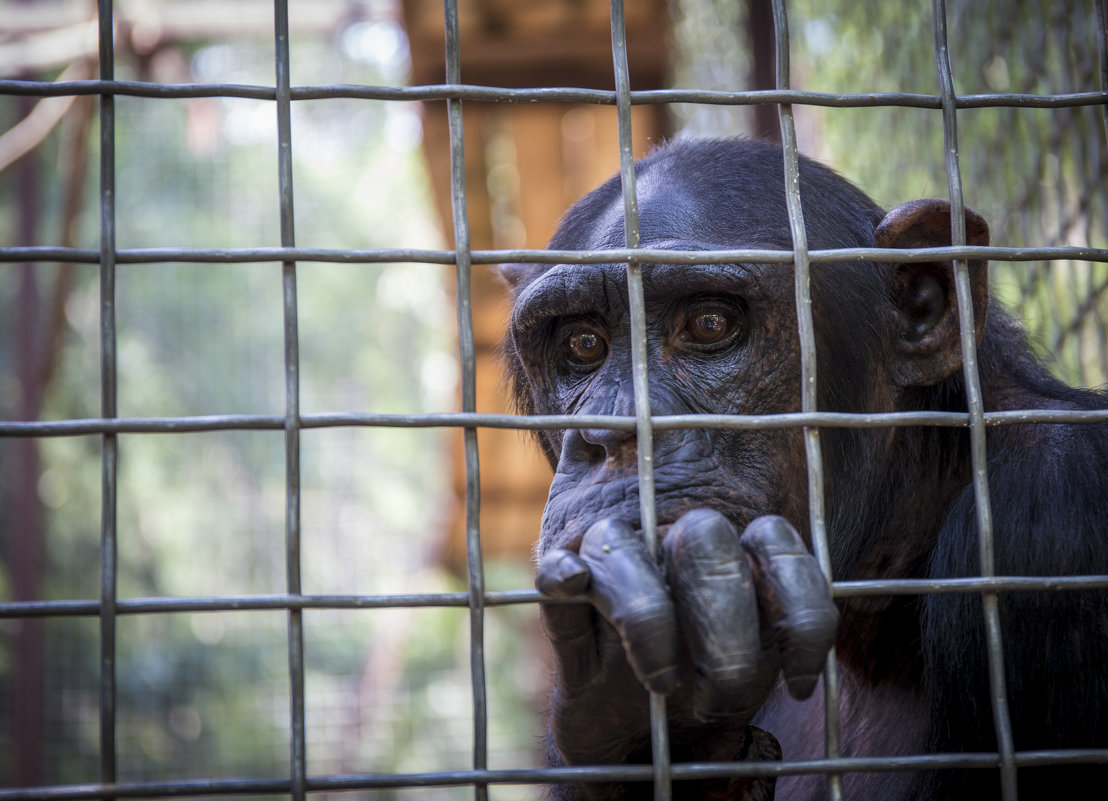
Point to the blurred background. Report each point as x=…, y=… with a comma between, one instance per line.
x=205, y=695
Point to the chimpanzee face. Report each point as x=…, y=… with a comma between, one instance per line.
x=721, y=339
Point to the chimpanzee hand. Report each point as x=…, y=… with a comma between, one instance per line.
x=712, y=628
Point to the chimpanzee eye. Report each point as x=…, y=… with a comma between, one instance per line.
x=583, y=346
x=711, y=326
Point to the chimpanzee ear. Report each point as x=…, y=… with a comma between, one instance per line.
x=926, y=306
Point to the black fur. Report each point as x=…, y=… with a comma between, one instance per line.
x=900, y=501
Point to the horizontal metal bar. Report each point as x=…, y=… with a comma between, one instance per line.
x=135, y=89
x=561, y=94
x=245, y=422
x=281, y=602
x=255, y=603
x=540, y=256
x=884, y=764
x=704, y=770
x=524, y=776
x=801, y=97
x=853, y=589
x=228, y=255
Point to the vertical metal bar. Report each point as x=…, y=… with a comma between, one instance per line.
x=1101, y=36
x=802, y=284
x=467, y=352
x=1102, y=55
x=292, y=403
x=109, y=558
x=972, y=379
x=659, y=731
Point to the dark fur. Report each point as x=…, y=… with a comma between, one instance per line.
x=900, y=504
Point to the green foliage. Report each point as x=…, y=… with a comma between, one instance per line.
x=1037, y=175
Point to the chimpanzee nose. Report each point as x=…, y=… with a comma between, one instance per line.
x=617, y=444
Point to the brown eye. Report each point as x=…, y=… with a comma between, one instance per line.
x=708, y=328
x=586, y=347
x=711, y=326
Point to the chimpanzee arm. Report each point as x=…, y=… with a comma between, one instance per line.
x=1049, y=518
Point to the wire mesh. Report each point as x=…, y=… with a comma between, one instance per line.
x=108, y=608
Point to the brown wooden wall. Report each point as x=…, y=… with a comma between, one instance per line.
x=525, y=164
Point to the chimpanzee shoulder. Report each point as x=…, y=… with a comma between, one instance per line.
x=1047, y=488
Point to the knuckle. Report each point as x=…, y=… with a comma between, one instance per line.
x=773, y=536
x=644, y=620
x=814, y=626
x=702, y=517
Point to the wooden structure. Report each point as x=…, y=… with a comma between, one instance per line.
x=525, y=164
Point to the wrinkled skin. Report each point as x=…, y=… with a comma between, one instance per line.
x=732, y=619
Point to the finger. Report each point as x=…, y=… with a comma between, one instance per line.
x=713, y=590
x=795, y=598
x=628, y=590
x=570, y=628
x=562, y=574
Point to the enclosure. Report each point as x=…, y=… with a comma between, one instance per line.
x=267, y=514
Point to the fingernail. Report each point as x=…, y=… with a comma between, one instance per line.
x=573, y=575
x=801, y=687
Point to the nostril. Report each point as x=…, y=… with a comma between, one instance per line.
x=577, y=449
x=597, y=446
x=592, y=452
x=608, y=443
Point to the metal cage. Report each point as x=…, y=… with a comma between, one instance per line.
x=108, y=608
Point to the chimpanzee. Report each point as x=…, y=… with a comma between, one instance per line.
x=718, y=618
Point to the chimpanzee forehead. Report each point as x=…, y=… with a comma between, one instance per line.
x=728, y=193
x=716, y=194
x=673, y=207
